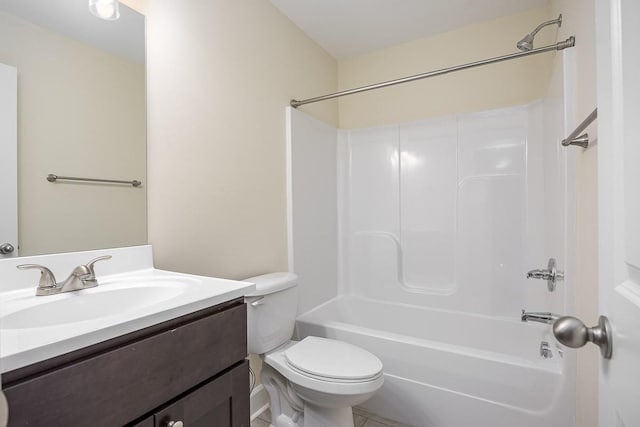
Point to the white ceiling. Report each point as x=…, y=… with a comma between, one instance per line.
x=347, y=28
x=124, y=37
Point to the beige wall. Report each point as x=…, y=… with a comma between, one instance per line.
x=81, y=112
x=220, y=76
x=499, y=85
x=579, y=19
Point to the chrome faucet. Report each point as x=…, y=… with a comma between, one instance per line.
x=82, y=277
x=538, y=316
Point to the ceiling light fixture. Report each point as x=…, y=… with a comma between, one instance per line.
x=105, y=9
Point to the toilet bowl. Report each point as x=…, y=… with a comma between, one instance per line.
x=313, y=382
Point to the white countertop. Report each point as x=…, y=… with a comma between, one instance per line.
x=171, y=295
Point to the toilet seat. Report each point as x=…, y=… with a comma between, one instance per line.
x=333, y=380
x=337, y=386
x=332, y=360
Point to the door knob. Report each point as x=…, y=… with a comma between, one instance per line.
x=175, y=424
x=6, y=248
x=571, y=332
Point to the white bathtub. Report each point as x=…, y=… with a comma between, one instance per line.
x=450, y=369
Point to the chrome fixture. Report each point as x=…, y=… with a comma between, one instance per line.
x=47, y=284
x=108, y=10
x=82, y=277
x=53, y=178
x=552, y=275
x=538, y=316
x=526, y=44
x=573, y=333
x=545, y=350
x=575, y=138
x=6, y=249
x=570, y=42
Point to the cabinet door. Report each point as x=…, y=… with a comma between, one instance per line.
x=222, y=402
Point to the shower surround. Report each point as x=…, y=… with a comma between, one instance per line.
x=413, y=241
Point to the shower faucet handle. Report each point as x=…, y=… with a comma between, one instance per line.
x=552, y=275
x=539, y=274
x=538, y=316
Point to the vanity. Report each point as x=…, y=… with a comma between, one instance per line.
x=145, y=347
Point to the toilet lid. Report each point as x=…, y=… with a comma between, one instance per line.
x=333, y=359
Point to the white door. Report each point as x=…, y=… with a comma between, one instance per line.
x=619, y=206
x=8, y=161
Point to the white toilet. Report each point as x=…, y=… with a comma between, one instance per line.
x=313, y=382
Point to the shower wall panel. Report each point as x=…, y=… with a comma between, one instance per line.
x=428, y=184
x=436, y=213
x=312, y=208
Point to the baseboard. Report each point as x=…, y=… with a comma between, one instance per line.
x=259, y=401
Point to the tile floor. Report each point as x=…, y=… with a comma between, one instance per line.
x=360, y=419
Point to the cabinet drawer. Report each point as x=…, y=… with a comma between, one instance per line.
x=117, y=386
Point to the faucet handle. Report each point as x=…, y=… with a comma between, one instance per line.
x=47, y=281
x=538, y=316
x=552, y=275
x=91, y=263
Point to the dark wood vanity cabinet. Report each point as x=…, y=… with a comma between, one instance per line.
x=191, y=369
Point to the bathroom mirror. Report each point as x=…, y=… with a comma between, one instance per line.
x=81, y=113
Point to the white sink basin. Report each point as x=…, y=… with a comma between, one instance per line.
x=107, y=300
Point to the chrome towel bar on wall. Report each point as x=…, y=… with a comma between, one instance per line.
x=577, y=137
x=53, y=178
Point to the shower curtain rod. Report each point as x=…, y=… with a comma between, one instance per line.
x=570, y=42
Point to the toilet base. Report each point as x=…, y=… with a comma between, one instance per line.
x=288, y=410
x=315, y=416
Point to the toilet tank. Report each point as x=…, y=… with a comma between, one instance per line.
x=271, y=311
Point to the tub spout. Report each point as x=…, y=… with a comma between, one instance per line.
x=540, y=317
